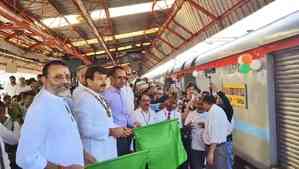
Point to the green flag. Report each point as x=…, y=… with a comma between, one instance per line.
x=163, y=141
x=132, y=161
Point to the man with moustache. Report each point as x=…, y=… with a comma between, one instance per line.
x=80, y=75
x=94, y=116
x=50, y=138
x=121, y=112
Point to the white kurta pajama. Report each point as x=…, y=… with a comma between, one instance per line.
x=94, y=123
x=49, y=134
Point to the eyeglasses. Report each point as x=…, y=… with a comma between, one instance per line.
x=61, y=77
x=122, y=77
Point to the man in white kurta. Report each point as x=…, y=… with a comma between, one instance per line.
x=98, y=132
x=94, y=124
x=50, y=136
x=144, y=115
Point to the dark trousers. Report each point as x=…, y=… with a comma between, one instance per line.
x=220, y=158
x=123, y=146
x=186, y=139
x=197, y=159
x=230, y=154
x=11, y=152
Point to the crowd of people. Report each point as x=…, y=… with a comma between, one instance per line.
x=49, y=123
x=13, y=106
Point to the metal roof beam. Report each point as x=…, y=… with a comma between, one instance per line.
x=73, y=28
x=160, y=51
x=176, y=34
x=154, y=56
x=125, y=50
x=174, y=10
x=35, y=45
x=237, y=5
x=20, y=52
x=50, y=40
x=86, y=15
x=167, y=43
x=109, y=20
x=13, y=35
x=182, y=27
x=9, y=26
x=146, y=66
x=149, y=63
x=202, y=9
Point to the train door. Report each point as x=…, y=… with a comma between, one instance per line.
x=286, y=66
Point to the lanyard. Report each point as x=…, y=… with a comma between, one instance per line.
x=168, y=114
x=148, y=119
x=102, y=101
x=69, y=111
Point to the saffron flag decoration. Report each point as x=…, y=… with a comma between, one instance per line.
x=246, y=58
x=244, y=63
x=163, y=141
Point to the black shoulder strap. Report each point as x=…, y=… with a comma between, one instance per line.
x=12, y=125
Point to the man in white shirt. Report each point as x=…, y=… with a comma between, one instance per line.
x=127, y=91
x=6, y=137
x=13, y=128
x=169, y=112
x=12, y=88
x=49, y=137
x=196, y=120
x=224, y=103
x=216, y=130
x=94, y=116
x=23, y=87
x=144, y=115
x=6, y=120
